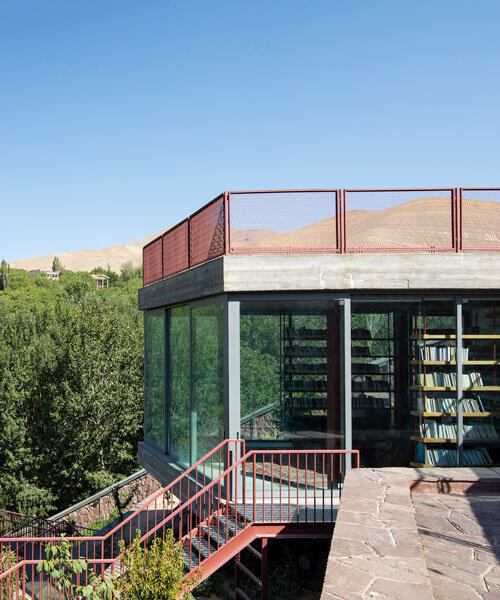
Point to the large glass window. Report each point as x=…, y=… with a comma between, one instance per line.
x=179, y=383
x=290, y=367
x=207, y=407
x=481, y=383
x=154, y=401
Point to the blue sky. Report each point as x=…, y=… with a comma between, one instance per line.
x=119, y=118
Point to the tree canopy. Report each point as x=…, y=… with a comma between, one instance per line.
x=70, y=388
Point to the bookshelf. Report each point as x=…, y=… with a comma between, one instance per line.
x=437, y=409
x=304, y=371
x=481, y=345
x=372, y=387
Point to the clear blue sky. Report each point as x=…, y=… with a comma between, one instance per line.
x=119, y=118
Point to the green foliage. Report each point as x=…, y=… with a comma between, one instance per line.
x=77, y=285
x=70, y=389
x=8, y=584
x=128, y=271
x=56, y=264
x=5, y=275
x=156, y=572
x=65, y=571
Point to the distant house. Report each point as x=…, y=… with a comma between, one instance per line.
x=101, y=281
x=52, y=275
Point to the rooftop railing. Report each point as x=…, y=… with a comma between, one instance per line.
x=329, y=221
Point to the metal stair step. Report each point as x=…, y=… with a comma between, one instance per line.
x=200, y=547
x=194, y=559
x=231, y=523
x=289, y=514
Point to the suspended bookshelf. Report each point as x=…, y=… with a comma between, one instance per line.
x=434, y=389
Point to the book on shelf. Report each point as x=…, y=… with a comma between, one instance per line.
x=448, y=457
x=306, y=369
x=439, y=431
x=306, y=386
x=437, y=405
x=360, y=334
x=306, y=403
x=480, y=430
x=305, y=351
x=366, y=368
x=360, y=352
x=442, y=353
x=305, y=333
x=440, y=379
x=363, y=383
x=364, y=401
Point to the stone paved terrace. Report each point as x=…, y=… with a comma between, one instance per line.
x=416, y=534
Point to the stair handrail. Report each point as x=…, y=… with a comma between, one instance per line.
x=190, y=476
x=107, y=564
x=228, y=472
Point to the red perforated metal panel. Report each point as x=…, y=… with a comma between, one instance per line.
x=480, y=210
x=399, y=220
x=152, y=261
x=206, y=238
x=283, y=221
x=176, y=249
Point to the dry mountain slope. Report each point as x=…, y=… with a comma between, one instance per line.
x=86, y=260
x=422, y=222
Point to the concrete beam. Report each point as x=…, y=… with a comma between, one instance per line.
x=362, y=272
x=198, y=282
x=417, y=271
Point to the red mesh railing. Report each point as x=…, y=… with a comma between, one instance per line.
x=152, y=261
x=283, y=221
x=207, y=232
x=394, y=220
x=176, y=249
x=296, y=221
x=480, y=212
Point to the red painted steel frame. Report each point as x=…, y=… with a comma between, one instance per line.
x=290, y=250
x=388, y=249
x=183, y=262
x=209, y=513
x=474, y=248
x=151, y=269
x=195, y=476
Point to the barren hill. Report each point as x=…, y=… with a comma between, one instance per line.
x=422, y=222
x=86, y=260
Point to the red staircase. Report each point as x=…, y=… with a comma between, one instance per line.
x=217, y=508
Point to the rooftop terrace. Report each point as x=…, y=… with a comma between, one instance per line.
x=428, y=220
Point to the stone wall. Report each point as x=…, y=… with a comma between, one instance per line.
x=129, y=495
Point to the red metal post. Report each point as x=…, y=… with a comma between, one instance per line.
x=227, y=223
x=263, y=577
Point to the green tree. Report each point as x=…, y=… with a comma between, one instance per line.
x=70, y=389
x=5, y=275
x=56, y=264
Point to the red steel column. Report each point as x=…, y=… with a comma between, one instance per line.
x=264, y=569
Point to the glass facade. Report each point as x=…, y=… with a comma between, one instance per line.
x=418, y=385
x=179, y=383
x=154, y=374
x=207, y=406
x=289, y=373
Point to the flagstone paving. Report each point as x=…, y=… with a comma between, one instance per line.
x=461, y=540
x=397, y=538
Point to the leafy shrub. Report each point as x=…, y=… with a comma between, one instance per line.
x=155, y=572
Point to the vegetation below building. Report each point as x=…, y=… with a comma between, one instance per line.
x=71, y=391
